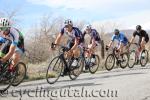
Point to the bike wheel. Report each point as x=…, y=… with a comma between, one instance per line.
x=110, y=62
x=124, y=60
x=74, y=72
x=6, y=80
x=144, y=58
x=20, y=73
x=95, y=65
x=132, y=59
x=54, y=70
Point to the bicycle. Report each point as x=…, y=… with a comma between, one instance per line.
x=21, y=71
x=92, y=66
x=123, y=62
x=8, y=78
x=61, y=65
x=138, y=56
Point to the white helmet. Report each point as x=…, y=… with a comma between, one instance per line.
x=88, y=26
x=4, y=22
x=68, y=22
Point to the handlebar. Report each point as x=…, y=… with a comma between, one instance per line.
x=63, y=48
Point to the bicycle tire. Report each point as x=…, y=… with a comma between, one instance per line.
x=126, y=59
x=57, y=58
x=131, y=65
x=72, y=74
x=141, y=62
x=5, y=84
x=106, y=62
x=16, y=81
x=97, y=65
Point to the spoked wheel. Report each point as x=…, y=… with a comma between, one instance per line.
x=94, y=65
x=75, y=71
x=6, y=80
x=124, y=60
x=144, y=58
x=132, y=59
x=110, y=62
x=20, y=73
x=54, y=70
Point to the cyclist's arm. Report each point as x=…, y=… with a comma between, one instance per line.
x=93, y=38
x=58, y=38
x=9, y=54
x=93, y=42
x=133, y=37
x=143, y=39
x=110, y=44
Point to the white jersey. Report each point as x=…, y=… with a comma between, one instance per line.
x=13, y=36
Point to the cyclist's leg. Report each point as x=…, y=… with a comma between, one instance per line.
x=76, y=52
x=142, y=44
x=16, y=56
x=92, y=48
x=92, y=52
x=69, y=46
x=121, y=48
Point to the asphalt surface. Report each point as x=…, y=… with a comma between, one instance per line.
x=118, y=84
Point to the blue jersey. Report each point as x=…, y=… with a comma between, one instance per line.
x=121, y=38
x=74, y=34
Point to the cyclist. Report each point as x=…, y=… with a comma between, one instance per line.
x=143, y=37
x=14, y=43
x=74, y=41
x=94, y=41
x=121, y=38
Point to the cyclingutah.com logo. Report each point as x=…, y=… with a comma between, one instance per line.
x=68, y=92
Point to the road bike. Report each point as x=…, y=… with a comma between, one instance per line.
x=61, y=65
x=113, y=57
x=138, y=56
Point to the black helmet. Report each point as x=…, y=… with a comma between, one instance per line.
x=138, y=27
x=116, y=31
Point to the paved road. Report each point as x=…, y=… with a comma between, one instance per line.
x=119, y=84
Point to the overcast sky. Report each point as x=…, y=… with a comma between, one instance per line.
x=127, y=12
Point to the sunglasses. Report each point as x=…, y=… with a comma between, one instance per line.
x=3, y=28
x=66, y=26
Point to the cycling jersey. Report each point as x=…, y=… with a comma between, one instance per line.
x=121, y=38
x=15, y=37
x=74, y=34
x=141, y=34
x=93, y=34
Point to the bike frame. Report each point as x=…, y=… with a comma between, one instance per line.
x=137, y=52
x=61, y=56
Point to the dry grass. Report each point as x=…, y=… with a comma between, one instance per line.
x=38, y=71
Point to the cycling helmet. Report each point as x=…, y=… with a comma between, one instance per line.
x=4, y=22
x=88, y=26
x=138, y=27
x=116, y=31
x=68, y=22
